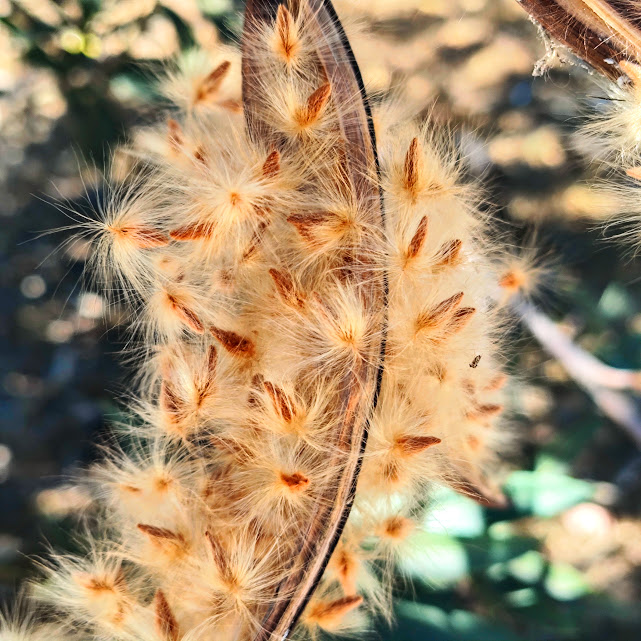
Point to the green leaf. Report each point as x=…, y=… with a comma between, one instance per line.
x=454, y=514
x=438, y=560
x=565, y=583
x=547, y=493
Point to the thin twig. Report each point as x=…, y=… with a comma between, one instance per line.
x=602, y=382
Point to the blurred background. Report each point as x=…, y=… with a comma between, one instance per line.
x=77, y=77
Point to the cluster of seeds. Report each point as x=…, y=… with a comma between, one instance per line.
x=290, y=304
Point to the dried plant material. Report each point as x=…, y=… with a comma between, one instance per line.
x=212, y=82
x=233, y=343
x=287, y=40
x=411, y=170
x=601, y=32
x=271, y=167
x=319, y=349
x=166, y=623
x=418, y=240
x=311, y=112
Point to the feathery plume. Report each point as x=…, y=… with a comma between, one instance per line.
x=319, y=332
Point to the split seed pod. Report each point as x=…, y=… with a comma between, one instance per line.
x=319, y=339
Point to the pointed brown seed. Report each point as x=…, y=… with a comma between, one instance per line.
x=286, y=288
x=160, y=533
x=235, y=106
x=186, y=315
x=334, y=610
x=212, y=362
x=132, y=489
x=254, y=243
x=271, y=166
x=233, y=343
x=460, y=319
x=410, y=445
x=166, y=623
x=411, y=169
x=296, y=482
x=145, y=237
x=175, y=134
x=280, y=401
x=212, y=82
x=315, y=105
x=193, y=231
x=473, y=442
x=201, y=155
x=218, y=554
x=418, y=240
x=305, y=223
x=285, y=30
x=170, y=402
x=208, y=383
x=483, y=412
x=449, y=253
x=496, y=383
x=437, y=315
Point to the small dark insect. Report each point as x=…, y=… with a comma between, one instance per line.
x=475, y=362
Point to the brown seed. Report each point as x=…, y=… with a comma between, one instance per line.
x=160, y=533
x=201, y=155
x=449, y=254
x=218, y=554
x=212, y=82
x=436, y=316
x=328, y=611
x=496, y=383
x=286, y=33
x=145, y=237
x=484, y=412
x=411, y=169
x=175, y=134
x=410, y=445
x=280, y=401
x=186, y=315
x=208, y=382
x=309, y=114
x=234, y=343
x=305, y=223
x=418, y=240
x=460, y=319
x=170, y=402
x=132, y=489
x=296, y=482
x=166, y=623
x=473, y=442
x=254, y=243
x=286, y=288
x=232, y=105
x=271, y=166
